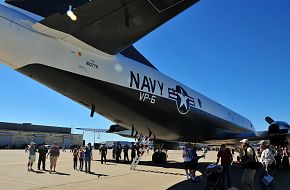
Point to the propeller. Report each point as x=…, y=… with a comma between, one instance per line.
x=269, y=120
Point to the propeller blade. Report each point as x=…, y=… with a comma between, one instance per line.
x=269, y=120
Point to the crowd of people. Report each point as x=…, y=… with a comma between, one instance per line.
x=44, y=153
x=264, y=161
x=135, y=150
x=81, y=157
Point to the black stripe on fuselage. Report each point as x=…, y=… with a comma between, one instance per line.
x=122, y=105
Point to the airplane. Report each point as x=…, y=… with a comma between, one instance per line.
x=84, y=50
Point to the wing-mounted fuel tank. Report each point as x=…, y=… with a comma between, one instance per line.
x=278, y=132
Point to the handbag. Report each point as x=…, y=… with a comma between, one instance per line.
x=267, y=179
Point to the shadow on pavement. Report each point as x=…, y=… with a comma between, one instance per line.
x=38, y=172
x=99, y=175
x=60, y=173
x=169, y=164
x=160, y=172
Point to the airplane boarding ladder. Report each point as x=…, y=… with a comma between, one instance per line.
x=143, y=141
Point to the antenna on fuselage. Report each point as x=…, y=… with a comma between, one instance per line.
x=93, y=110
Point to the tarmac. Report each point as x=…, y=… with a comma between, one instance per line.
x=111, y=176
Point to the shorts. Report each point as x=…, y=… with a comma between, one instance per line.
x=190, y=165
x=31, y=158
x=194, y=165
x=187, y=165
x=53, y=160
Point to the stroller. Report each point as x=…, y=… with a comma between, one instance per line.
x=214, y=177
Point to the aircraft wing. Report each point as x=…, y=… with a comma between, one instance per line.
x=107, y=25
x=93, y=130
x=114, y=129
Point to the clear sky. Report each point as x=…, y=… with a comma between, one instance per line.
x=235, y=52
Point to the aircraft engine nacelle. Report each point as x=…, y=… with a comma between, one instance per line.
x=116, y=128
x=277, y=132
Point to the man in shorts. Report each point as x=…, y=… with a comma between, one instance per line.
x=31, y=157
x=54, y=154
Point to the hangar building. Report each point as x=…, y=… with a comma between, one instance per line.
x=17, y=135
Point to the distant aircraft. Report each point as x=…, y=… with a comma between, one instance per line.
x=83, y=50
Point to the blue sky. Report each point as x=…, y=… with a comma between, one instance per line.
x=235, y=52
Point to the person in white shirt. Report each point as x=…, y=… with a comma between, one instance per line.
x=268, y=160
x=186, y=153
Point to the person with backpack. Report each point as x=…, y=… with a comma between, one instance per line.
x=226, y=161
x=248, y=162
x=268, y=160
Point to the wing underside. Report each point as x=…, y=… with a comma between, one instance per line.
x=107, y=25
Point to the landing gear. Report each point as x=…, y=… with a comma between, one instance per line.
x=159, y=157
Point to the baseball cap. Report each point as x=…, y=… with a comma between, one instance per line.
x=246, y=141
x=264, y=142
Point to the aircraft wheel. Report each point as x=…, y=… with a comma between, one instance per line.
x=159, y=157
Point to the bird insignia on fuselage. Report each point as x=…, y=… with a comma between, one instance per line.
x=182, y=99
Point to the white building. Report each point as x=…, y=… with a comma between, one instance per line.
x=16, y=135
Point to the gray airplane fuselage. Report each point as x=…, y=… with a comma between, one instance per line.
x=125, y=91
